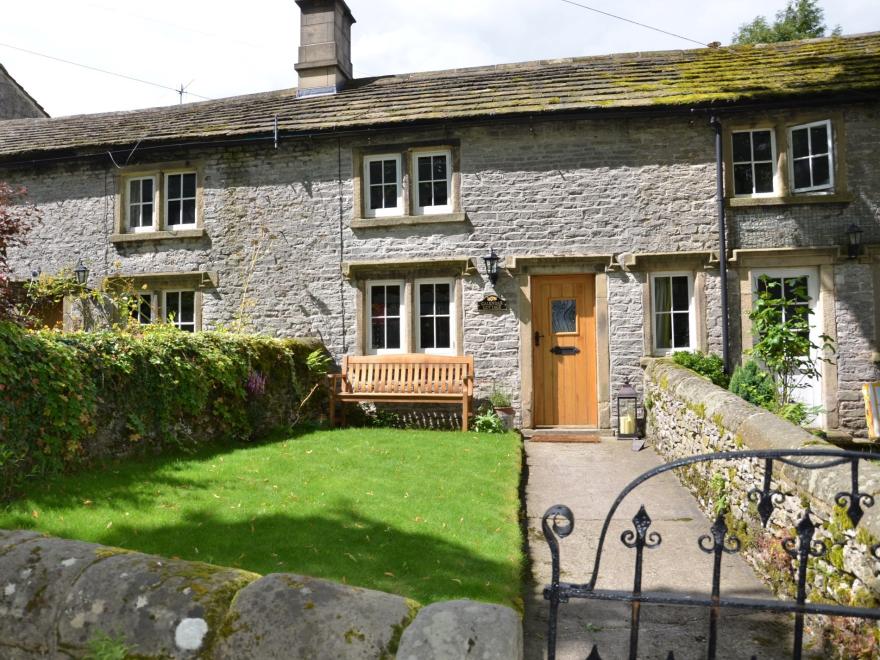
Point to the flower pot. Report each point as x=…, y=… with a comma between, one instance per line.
x=507, y=415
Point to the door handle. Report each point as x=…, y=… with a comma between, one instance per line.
x=538, y=336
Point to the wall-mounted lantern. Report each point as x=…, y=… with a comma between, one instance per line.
x=81, y=273
x=627, y=412
x=854, y=241
x=491, y=262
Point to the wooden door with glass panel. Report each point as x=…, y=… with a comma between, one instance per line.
x=564, y=350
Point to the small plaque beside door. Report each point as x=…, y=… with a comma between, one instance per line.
x=492, y=303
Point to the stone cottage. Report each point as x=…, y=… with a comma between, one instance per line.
x=360, y=210
x=15, y=102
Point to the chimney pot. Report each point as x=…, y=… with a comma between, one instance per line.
x=325, y=47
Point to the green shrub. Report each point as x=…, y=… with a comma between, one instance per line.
x=487, y=421
x=753, y=384
x=711, y=366
x=66, y=399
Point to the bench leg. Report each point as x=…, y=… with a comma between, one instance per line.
x=465, y=413
x=342, y=414
x=332, y=411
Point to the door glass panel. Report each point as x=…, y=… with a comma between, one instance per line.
x=564, y=315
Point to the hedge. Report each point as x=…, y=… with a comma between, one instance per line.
x=67, y=400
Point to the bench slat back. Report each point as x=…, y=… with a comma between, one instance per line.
x=408, y=374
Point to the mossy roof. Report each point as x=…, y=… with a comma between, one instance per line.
x=665, y=79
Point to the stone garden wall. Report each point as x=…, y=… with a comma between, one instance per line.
x=688, y=415
x=62, y=598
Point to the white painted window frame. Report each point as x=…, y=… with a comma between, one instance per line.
x=433, y=209
x=791, y=159
x=128, y=203
x=403, y=316
x=167, y=199
x=692, y=313
x=176, y=322
x=417, y=317
x=385, y=212
x=773, y=158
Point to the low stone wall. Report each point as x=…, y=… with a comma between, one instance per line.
x=688, y=415
x=62, y=598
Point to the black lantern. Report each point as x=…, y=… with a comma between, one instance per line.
x=81, y=273
x=854, y=245
x=627, y=412
x=492, y=266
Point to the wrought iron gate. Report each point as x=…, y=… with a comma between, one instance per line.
x=558, y=523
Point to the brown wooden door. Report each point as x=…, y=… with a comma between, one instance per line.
x=564, y=350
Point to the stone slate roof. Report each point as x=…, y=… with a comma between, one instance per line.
x=684, y=78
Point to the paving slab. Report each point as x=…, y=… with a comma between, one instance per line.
x=587, y=478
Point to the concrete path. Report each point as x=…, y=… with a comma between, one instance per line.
x=587, y=478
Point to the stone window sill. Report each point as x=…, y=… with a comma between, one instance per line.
x=121, y=239
x=832, y=198
x=405, y=220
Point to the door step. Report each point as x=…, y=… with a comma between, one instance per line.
x=585, y=435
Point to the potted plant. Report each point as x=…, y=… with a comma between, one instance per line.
x=500, y=401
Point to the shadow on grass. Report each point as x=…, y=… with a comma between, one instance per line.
x=342, y=545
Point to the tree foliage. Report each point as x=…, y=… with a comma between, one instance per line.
x=801, y=19
x=16, y=219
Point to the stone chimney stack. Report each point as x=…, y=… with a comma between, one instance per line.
x=325, y=47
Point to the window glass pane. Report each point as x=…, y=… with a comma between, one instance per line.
x=664, y=331
x=393, y=328
x=443, y=339
x=189, y=212
x=389, y=168
x=680, y=300
x=390, y=196
x=378, y=334
x=392, y=298
x=134, y=215
x=172, y=307
x=375, y=197
x=662, y=295
x=761, y=145
x=143, y=312
x=795, y=288
x=802, y=173
x=426, y=299
x=440, y=193
x=173, y=212
x=681, y=330
x=763, y=177
x=799, y=145
x=424, y=168
x=134, y=192
x=443, y=298
x=187, y=307
x=376, y=171
x=742, y=179
x=819, y=139
x=425, y=194
x=440, y=167
x=147, y=190
x=147, y=215
x=377, y=301
x=564, y=315
x=426, y=332
x=189, y=185
x=173, y=186
x=742, y=147
x=821, y=172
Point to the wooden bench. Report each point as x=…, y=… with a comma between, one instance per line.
x=415, y=378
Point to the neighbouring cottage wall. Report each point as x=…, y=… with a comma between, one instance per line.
x=688, y=415
x=60, y=596
x=15, y=103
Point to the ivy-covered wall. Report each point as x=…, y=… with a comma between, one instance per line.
x=69, y=399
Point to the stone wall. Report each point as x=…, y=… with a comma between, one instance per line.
x=14, y=101
x=63, y=598
x=688, y=415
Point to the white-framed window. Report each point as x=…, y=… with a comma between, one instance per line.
x=180, y=309
x=673, y=314
x=180, y=200
x=140, y=204
x=432, y=172
x=383, y=185
x=435, y=323
x=812, y=160
x=387, y=317
x=142, y=308
x=754, y=162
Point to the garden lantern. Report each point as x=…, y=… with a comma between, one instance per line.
x=854, y=244
x=627, y=412
x=81, y=273
x=492, y=266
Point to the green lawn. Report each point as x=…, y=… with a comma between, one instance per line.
x=429, y=515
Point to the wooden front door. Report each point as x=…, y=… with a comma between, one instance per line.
x=564, y=350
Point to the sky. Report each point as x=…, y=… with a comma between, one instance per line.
x=222, y=48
